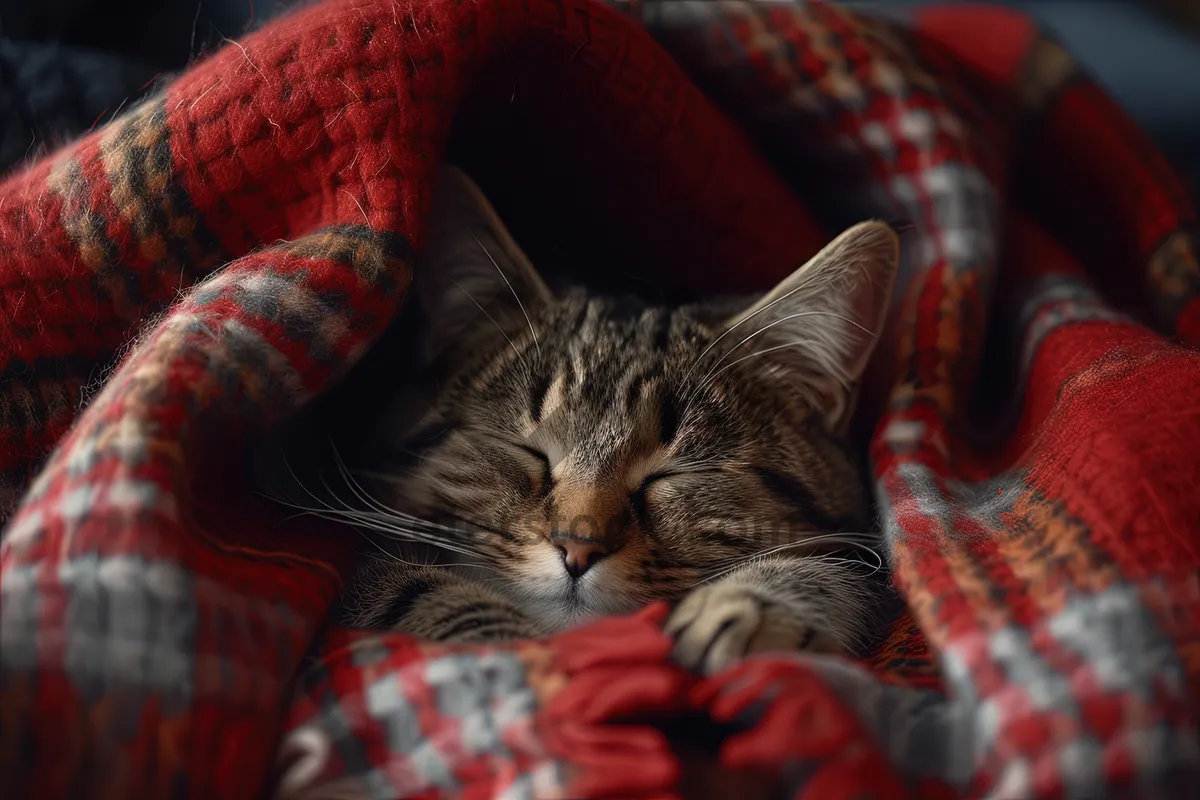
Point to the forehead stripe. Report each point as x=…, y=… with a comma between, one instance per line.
x=633, y=390
x=537, y=394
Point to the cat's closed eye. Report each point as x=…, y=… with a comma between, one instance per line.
x=544, y=470
x=536, y=461
x=536, y=454
x=641, y=505
x=653, y=478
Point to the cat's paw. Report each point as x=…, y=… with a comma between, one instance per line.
x=718, y=625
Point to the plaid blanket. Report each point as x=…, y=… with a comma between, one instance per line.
x=209, y=263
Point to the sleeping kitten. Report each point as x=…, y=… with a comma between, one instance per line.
x=572, y=456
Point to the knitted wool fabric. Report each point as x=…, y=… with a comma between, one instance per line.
x=215, y=259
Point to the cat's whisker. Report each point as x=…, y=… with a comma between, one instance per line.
x=279, y=501
x=415, y=523
x=877, y=566
x=403, y=534
x=399, y=477
x=351, y=515
x=420, y=564
x=516, y=297
x=304, y=513
x=475, y=525
x=472, y=524
x=288, y=465
x=731, y=364
x=809, y=538
x=704, y=380
x=388, y=513
x=325, y=508
x=853, y=540
x=520, y=356
x=386, y=477
x=353, y=483
x=428, y=525
x=380, y=508
x=727, y=566
x=802, y=285
x=393, y=556
x=438, y=533
x=332, y=493
x=384, y=524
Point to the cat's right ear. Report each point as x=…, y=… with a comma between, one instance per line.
x=819, y=325
x=472, y=278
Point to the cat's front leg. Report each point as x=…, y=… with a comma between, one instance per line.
x=776, y=604
x=435, y=603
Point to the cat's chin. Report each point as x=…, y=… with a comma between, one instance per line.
x=575, y=605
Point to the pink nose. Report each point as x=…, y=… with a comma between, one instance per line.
x=579, y=556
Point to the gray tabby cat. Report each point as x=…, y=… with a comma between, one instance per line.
x=572, y=456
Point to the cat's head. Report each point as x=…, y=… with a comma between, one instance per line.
x=597, y=453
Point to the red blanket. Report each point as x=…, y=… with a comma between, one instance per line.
x=1036, y=424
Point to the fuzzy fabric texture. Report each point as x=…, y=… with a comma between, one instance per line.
x=206, y=265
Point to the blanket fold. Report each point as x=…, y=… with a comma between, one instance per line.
x=183, y=281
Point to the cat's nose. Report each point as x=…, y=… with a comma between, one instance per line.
x=580, y=555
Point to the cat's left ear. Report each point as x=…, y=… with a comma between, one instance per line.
x=472, y=280
x=821, y=323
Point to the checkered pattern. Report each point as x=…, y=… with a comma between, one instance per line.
x=1034, y=413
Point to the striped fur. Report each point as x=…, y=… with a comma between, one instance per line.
x=570, y=456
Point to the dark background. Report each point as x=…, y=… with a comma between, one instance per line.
x=67, y=65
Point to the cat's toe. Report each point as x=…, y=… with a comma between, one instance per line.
x=716, y=626
x=784, y=630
